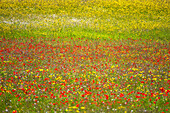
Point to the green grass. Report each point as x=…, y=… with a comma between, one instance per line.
x=79, y=32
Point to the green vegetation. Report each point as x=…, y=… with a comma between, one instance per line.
x=92, y=18
x=84, y=56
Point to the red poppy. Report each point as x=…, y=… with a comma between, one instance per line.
x=121, y=95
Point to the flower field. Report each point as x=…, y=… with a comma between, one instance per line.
x=147, y=19
x=84, y=56
x=80, y=75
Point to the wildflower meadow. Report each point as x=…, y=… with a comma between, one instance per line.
x=84, y=56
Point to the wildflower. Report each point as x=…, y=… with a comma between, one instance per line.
x=75, y=107
x=40, y=69
x=14, y=111
x=82, y=107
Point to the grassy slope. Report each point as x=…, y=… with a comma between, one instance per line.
x=92, y=19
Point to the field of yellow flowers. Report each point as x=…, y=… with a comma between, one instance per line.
x=84, y=56
x=85, y=18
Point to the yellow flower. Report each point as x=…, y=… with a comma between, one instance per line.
x=27, y=70
x=155, y=79
x=40, y=69
x=82, y=107
x=74, y=107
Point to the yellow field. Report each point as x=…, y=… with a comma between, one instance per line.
x=108, y=16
